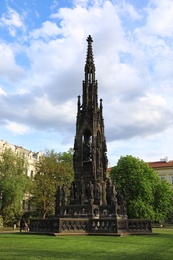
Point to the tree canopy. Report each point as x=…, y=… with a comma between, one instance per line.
x=13, y=185
x=147, y=195
x=53, y=170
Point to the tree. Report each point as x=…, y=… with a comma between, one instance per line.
x=53, y=170
x=66, y=157
x=13, y=185
x=147, y=195
x=163, y=200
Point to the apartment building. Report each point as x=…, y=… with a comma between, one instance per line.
x=164, y=169
x=30, y=156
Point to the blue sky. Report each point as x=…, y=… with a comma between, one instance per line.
x=43, y=50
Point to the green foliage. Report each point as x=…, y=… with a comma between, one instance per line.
x=54, y=169
x=66, y=157
x=13, y=185
x=163, y=200
x=147, y=195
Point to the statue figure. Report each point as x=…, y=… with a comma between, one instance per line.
x=113, y=195
x=91, y=187
x=90, y=191
x=72, y=193
x=105, y=161
x=122, y=203
x=58, y=196
x=57, y=201
x=82, y=187
x=98, y=193
x=108, y=192
x=81, y=191
x=119, y=198
x=87, y=148
x=63, y=195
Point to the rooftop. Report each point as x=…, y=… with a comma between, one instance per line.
x=161, y=164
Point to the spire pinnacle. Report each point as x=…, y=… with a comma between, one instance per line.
x=89, y=66
x=89, y=39
x=90, y=59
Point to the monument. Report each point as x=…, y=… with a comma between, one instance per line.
x=93, y=206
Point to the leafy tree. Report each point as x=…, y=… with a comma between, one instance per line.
x=163, y=200
x=13, y=185
x=54, y=169
x=147, y=195
x=66, y=157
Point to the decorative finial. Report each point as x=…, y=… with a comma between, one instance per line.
x=89, y=39
x=101, y=106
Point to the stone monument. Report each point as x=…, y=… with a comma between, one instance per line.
x=94, y=206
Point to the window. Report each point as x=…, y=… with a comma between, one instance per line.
x=171, y=179
x=163, y=178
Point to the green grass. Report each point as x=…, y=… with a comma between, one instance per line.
x=31, y=247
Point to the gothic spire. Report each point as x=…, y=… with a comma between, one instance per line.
x=89, y=66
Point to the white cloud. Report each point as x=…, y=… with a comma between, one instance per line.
x=54, y=5
x=12, y=20
x=16, y=128
x=150, y=109
x=2, y=92
x=89, y=3
x=154, y=100
x=160, y=19
x=8, y=68
x=48, y=30
x=101, y=20
x=127, y=9
x=45, y=111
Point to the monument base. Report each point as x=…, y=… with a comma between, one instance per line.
x=90, y=226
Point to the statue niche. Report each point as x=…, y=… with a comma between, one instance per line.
x=87, y=147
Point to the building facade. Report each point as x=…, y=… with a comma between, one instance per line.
x=164, y=168
x=31, y=157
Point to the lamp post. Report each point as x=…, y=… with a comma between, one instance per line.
x=1, y=218
x=0, y=201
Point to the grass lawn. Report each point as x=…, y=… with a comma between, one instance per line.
x=31, y=247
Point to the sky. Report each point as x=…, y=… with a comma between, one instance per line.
x=42, y=57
